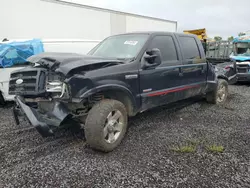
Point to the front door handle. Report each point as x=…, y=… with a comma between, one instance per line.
x=202, y=70
x=180, y=71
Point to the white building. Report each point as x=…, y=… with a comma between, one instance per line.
x=68, y=25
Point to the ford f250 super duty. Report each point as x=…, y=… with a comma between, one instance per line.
x=122, y=76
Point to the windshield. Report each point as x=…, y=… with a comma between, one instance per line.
x=121, y=46
x=243, y=49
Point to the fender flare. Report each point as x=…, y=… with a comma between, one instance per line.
x=107, y=87
x=221, y=76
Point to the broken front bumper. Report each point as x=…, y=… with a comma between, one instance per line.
x=44, y=123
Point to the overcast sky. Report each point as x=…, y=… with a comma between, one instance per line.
x=219, y=17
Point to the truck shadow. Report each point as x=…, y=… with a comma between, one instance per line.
x=172, y=108
x=242, y=83
x=7, y=104
x=169, y=108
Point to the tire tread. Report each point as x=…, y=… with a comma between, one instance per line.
x=95, y=121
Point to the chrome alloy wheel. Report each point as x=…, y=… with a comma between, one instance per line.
x=221, y=94
x=113, y=127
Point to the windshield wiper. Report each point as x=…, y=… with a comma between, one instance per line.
x=126, y=59
x=121, y=59
x=132, y=59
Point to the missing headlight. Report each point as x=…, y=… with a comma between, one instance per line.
x=57, y=89
x=55, y=86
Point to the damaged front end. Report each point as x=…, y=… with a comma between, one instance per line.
x=37, y=91
x=227, y=70
x=46, y=92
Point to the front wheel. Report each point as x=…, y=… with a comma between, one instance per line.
x=218, y=96
x=106, y=125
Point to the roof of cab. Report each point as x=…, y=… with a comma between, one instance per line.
x=155, y=33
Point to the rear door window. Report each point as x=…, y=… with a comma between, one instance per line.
x=189, y=47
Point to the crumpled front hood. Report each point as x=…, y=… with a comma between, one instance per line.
x=66, y=62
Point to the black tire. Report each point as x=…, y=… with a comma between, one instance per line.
x=96, y=121
x=214, y=96
x=2, y=102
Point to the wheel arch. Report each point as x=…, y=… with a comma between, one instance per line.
x=115, y=92
x=220, y=76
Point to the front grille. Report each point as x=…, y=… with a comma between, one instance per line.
x=28, y=81
x=244, y=68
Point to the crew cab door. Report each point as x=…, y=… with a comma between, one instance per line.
x=194, y=69
x=159, y=85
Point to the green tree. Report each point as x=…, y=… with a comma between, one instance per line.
x=230, y=38
x=241, y=34
x=217, y=38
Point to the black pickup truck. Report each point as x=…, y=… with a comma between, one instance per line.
x=122, y=76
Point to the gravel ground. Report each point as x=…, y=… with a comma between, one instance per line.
x=146, y=157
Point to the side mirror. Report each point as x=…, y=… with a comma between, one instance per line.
x=152, y=58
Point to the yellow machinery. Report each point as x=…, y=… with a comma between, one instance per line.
x=201, y=33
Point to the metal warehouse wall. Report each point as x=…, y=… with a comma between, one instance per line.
x=53, y=19
x=35, y=18
x=134, y=23
x=127, y=22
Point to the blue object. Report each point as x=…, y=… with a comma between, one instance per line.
x=16, y=53
x=240, y=58
x=244, y=38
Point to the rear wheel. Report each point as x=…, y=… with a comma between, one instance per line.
x=218, y=96
x=106, y=125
